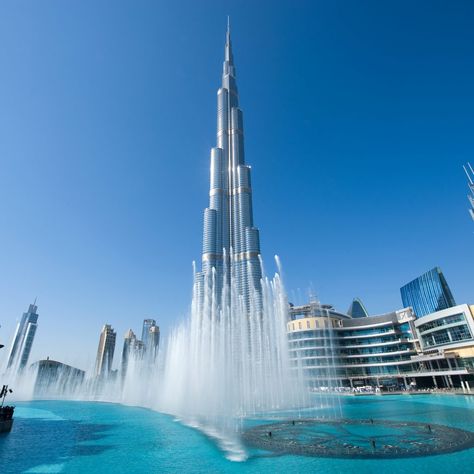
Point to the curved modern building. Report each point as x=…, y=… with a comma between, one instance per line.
x=334, y=349
x=393, y=350
x=231, y=243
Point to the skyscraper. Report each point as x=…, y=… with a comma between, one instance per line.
x=147, y=324
x=129, y=342
x=470, y=182
x=153, y=343
x=105, y=351
x=23, y=339
x=231, y=243
x=150, y=338
x=428, y=293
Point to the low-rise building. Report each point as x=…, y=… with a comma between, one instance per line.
x=55, y=379
x=447, y=344
x=389, y=351
x=335, y=350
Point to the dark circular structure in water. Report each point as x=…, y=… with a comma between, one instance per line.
x=367, y=439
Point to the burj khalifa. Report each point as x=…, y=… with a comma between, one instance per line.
x=231, y=243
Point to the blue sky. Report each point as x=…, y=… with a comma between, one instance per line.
x=358, y=117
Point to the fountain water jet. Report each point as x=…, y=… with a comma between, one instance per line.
x=227, y=363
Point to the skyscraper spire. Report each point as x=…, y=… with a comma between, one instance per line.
x=231, y=242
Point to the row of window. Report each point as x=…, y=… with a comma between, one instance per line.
x=455, y=318
x=365, y=332
x=447, y=336
x=360, y=371
x=355, y=361
x=336, y=342
x=341, y=352
x=326, y=323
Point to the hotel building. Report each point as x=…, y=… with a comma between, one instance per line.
x=393, y=350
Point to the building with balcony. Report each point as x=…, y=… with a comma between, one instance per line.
x=334, y=349
x=447, y=344
x=389, y=351
x=105, y=351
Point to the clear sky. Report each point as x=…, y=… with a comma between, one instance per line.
x=358, y=117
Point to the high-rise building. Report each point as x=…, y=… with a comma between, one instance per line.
x=428, y=293
x=153, y=343
x=23, y=339
x=129, y=342
x=146, y=349
x=105, y=351
x=147, y=324
x=470, y=182
x=151, y=338
x=231, y=243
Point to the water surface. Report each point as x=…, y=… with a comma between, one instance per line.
x=87, y=437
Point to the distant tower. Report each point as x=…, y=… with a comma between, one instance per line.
x=150, y=338
x=231, y=243
x=470, y=182
x=428, y=293
x=147, y=324
x=153, y=343
x=105, y=352
x=128, y=345
x=23, y=339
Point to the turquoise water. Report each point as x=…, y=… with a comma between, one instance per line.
x=79, y=437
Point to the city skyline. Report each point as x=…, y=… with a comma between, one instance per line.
x=330, y=155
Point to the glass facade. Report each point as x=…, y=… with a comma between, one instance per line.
x=445, y=330
x=428, y=293
x=357, y=309
x=23, y=339
x=335, y=351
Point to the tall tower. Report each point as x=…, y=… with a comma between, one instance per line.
x=129, y=344
x=147, y=324
x=231, y=243
x=23, y=339
x=105, y=351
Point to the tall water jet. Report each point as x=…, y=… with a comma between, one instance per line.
x=231, y=359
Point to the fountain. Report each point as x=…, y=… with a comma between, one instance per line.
x=226, y=364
